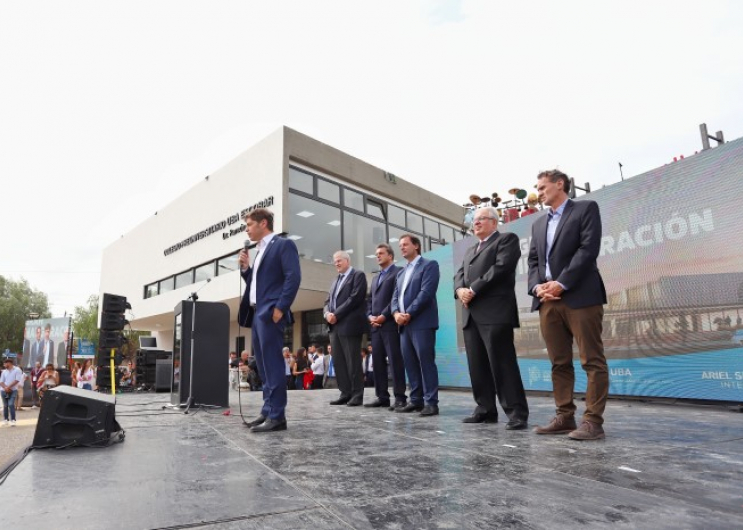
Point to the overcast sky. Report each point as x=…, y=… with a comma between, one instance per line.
x=110, y=110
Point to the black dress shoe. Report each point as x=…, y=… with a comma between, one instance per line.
x=397, y=405
x=410, y=407
x=354, y=403
x=481, y=417
x=430, y=410
x=377, y=403
x=260, y=419
x=516, y=425
x=270, y=425
x=339, y=401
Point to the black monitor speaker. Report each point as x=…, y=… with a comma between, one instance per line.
x=71, y=416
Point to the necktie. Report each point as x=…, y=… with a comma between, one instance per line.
x=335, y=292
x=479, y=246
x=331, y=369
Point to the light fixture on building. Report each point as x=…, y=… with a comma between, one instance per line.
x=305, y=213
x=334, y=222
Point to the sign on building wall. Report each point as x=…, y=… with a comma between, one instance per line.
x=672, y=261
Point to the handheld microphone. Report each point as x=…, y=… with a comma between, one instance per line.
x=249, y=245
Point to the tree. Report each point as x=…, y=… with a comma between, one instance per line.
x=17, y=301
x=85, y=326
x=85, y=321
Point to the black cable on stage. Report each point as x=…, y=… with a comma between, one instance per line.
x=21, y=455
x=14, y=463
x=239, y=336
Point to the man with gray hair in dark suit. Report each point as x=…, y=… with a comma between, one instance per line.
x=345, y=313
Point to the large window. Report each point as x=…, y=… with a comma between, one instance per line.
x=329, y=191
x=183, y=279
x=352, y=199
x=150, y=290
x=205, y=272
x=167, y=285
x=227, y=264
x=300, y=181
x=361, y=236
x=395, y=215
x=315, y=228
x=415, y=222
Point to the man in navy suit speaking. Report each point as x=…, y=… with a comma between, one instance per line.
x=569, y=293
x=416, y=313
x=272, y=284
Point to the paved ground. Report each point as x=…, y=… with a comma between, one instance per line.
x=661, y=466
x=15, y=439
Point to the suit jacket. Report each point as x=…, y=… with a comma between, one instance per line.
x=491, y=274
x=380, y=299
x=572, y=257
x=61, y=359
x=420, y=295
x=278, y=278
x=350, y=306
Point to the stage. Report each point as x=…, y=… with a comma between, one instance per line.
x=661, y=466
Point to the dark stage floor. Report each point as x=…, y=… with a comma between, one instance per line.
x=661, y=466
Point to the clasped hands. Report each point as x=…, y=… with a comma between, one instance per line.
x=465, y=295
x=377, y=321
x=548, y=291
x=402, y=319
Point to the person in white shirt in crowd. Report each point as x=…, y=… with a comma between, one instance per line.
x=86, y=376
x=9, y=380
x=367, y=367
x=318, y=368
x=288, y=361
x=21, y=383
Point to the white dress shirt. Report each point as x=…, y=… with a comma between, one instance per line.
x=262, y=244
x=408, y=273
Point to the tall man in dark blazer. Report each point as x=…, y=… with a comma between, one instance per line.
x=485, y=285
x=345, y=313
x=272, y=283
x=569, y=293
x=62, y=350
x=416, y=313
x=385, y=339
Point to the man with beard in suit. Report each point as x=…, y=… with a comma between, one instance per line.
x=345, y=313
x=385, y=339
x=485, y=285
x=569, y=293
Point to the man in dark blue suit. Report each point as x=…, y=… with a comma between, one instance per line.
x=385, y=338
x=272, y=284
x=416, y=313
x=345, y=313
x=569, y=293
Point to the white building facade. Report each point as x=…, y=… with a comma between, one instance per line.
x=324, y=199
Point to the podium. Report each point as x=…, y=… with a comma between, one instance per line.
x=201, y=346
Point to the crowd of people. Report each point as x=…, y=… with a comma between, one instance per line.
x=39, y=379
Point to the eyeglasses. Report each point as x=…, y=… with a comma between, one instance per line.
x=481, y=219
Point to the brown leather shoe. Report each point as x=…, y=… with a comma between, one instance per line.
x=588, y=431
x=559, y=425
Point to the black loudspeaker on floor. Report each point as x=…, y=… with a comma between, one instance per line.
x=74, y=417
